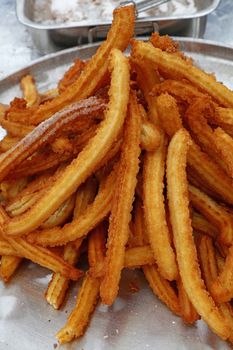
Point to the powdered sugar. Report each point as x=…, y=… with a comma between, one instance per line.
x=60, y=11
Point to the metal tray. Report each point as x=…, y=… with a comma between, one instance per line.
x=136, y=321
x=50, y=38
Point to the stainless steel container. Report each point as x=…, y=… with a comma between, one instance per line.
x=53, y=37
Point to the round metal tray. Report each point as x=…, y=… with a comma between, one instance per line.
x=138, y=321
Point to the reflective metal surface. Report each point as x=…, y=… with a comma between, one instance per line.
x=136, y=321
x=51, y=37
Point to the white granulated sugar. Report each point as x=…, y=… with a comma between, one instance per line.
x=70, y=11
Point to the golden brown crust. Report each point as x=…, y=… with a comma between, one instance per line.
x=183, y=239
x=122, y=204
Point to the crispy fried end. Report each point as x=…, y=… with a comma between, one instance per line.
x=96, y=69
x=210, y=174
x=138, y=256
x=147, y=78
x=11, y=188
x=16, y=129
x=208, y=262
x=188, y=312
x=88, y=293
x=58, y=285
x=222, y=286
x=162, y=288
x=168, y=114
x=30, y=92
x=9, y=265
x=178, y=200
x=39, y=255
x=150, y=136
x=19, y=112
x=164, y=43
x=213, y=212
x=167, y=44
x=181, y=90
x=224, y=144
x=71, y=75
x=202, y=225
x=209, y=140
x=8, y=142
x=176, y=67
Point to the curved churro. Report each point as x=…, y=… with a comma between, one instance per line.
x=154, y=211
x=208, y=172
x=96, y=68
x=162, y=288
x=58, y=285
x=88, y=160
x=81, y=225
x=46, y=132
x=183, y=235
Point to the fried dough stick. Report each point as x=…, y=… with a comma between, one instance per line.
x=223, y=117
x=46, y=132
x=181, y=90
x=147, y=78
x=200, y=224
x=139, y=256
x=30, y=194
x=222, y=286
x=39, y=255
x=188, y=312
x=6, y=249
x=88, y=160
x=150, y=134
x=9, y=264
x=178, y=200
x=135, y=257
x=11, y=188
x=216, y=143
x=95, y=70
x=89, y=292
x=118, y=232
x=208, y=172
x=209, y=272
x=162, y=288
x=137, y=228
x=177, y=67
x=71, y=75
x=42, y=161
x=81, y=226
x=14, y=128
x=60, y=216
x=154, y=211
x=29, y=89
x=8, y=142
x=214, y=213
x=58, y=285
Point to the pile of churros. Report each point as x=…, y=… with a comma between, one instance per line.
x=129, y=161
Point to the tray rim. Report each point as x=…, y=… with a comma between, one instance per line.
x=20, y=13
x=205, y=43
